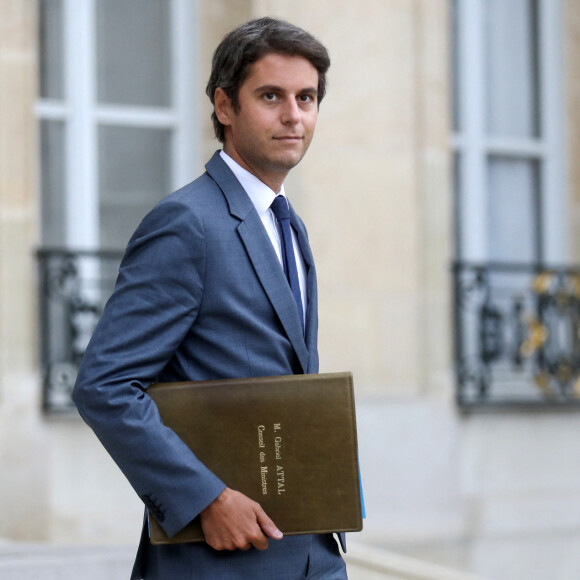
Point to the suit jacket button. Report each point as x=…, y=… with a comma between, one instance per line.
x=153, y=507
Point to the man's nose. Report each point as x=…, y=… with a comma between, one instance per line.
x=291, y=113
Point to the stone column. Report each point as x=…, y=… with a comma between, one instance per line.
x=22, y=457
x=375, y=191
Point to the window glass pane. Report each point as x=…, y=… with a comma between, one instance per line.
x=51, y=49
x=133, y=52
x=52, y=159
x=512, y=68
x=513, y=229
x=134, y=173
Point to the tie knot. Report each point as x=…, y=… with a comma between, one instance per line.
x=280, y=208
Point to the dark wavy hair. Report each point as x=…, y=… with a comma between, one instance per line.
x=245, y=45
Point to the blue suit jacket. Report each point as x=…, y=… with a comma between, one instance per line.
x=200, y=295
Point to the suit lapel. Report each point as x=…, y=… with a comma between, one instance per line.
x=274, y=281
x=262, y=255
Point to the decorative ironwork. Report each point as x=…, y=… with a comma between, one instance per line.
x=74, y=287
x=517, y=335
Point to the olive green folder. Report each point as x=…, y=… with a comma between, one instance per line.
x=287, y=442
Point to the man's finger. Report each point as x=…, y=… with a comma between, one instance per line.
x=260, y=542
x=268, y=526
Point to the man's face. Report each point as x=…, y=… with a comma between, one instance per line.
x=276, y=117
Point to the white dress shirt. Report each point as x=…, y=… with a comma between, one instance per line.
x=262, y=197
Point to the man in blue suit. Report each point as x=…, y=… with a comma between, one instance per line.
x=202, y=294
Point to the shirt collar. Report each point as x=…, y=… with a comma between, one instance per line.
x=260, y=194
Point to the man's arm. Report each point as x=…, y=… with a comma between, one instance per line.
x=155, y=303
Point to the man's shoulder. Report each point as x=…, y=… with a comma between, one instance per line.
x=201, y=190
x=191, y=208
x=201, y=198
x=205, y=186
x=214, y=193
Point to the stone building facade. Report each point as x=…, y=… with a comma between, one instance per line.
x=495, y=493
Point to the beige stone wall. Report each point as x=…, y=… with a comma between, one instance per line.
x=484, y=491
x=18, y=216
x=375, y=190
x=23, y=457
x=572, y=123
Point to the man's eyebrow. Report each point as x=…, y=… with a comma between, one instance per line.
x=278, y=89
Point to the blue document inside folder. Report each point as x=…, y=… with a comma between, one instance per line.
x=362, y=497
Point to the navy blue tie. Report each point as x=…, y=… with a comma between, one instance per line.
x=280, y=208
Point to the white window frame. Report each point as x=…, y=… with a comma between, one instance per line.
x=475, y=146
x=82, y=114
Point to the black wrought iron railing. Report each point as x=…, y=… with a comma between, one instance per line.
x=517, y=335
x=73, y=286
x=517, y=328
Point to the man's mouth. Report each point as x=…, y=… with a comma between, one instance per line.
x=289, y=138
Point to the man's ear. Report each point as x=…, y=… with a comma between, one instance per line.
x=223, y=107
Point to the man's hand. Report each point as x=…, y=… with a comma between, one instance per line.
x=233, y=521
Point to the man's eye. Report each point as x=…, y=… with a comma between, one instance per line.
x=270, y=96
x=306, y=98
